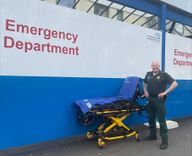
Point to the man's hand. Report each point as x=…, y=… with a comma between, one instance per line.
x=161, y=95
x=146, y=94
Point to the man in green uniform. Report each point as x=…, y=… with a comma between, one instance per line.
x=155, y=89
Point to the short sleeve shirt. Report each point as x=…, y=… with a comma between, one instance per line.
x=157, y=84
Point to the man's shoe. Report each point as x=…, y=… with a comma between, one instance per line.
x=149, y=138
x=163, y=145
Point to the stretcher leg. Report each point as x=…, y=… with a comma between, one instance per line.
x=102, y=132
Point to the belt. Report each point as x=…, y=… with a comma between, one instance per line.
x=153, y=95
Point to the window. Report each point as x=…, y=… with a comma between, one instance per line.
x=178, y=29
x=99, y=8
x=120, y=15
x=67, y=3
x=154, y=23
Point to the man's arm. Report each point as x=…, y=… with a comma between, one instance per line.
x=145, y=90
x=171, y=88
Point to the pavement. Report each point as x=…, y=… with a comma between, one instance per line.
x=180, y=144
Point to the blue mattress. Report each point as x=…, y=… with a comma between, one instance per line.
x=127, y=93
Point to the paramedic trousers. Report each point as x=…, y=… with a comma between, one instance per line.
x=156, y=108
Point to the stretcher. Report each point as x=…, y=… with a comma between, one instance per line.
x=114, y=110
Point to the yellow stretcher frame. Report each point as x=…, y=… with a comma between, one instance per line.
x=115, y=118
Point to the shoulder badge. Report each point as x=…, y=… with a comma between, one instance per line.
x=158, y=77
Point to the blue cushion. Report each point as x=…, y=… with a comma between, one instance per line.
x=126, y=93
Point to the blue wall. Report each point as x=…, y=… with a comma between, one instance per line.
x=37, y=109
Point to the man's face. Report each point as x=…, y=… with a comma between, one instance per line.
x=155, y=67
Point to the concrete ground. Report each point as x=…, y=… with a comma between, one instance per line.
x=180, y=144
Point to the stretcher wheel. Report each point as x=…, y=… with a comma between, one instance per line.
x=137, y=137
x=101, y=143
x=90, y=135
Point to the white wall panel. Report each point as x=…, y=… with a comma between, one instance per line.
x=106, y=48
x=178, y=60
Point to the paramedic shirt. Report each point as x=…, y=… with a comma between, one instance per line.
x=157, y=84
